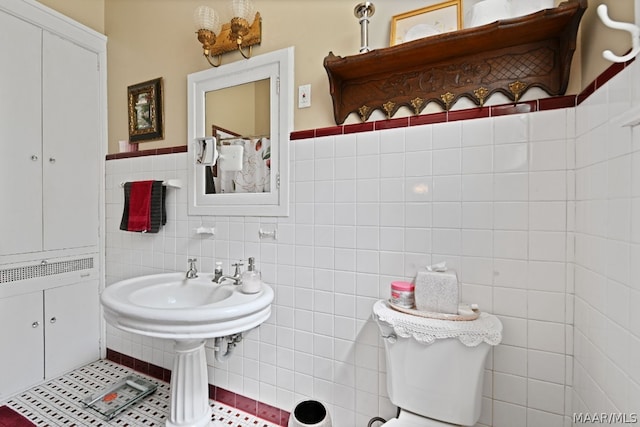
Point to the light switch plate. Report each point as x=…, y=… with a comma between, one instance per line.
x=304, y=96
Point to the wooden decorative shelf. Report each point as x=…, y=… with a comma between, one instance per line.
x=508, y=56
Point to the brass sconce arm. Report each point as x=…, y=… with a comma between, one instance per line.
x=234, y=35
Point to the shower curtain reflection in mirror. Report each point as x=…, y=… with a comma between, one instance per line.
x=255, y=176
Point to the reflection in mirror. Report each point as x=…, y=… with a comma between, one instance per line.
x=248, y=107
x=235, y=122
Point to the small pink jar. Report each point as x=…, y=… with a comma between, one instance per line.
x=402, y=294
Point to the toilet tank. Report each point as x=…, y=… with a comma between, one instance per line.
x=441, y=380
x=435, y=362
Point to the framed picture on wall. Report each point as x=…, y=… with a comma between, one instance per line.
x=145, y=111
x=427, y=21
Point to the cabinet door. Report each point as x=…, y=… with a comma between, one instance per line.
x=72, y=327
x=21, y=335
x=71, y=136
x=20, y=136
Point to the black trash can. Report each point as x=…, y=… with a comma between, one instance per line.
x=310, y=413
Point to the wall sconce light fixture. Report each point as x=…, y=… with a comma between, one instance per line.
x=238, y=34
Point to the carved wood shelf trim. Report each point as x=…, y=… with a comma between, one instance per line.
x=509, y=56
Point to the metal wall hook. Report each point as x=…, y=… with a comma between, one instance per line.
x=633, y=29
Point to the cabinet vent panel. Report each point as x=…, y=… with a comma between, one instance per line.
x=44, y=269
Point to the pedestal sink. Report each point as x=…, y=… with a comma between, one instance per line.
x=188, y=311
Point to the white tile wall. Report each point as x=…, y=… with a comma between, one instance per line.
x=498, y=198
x=606, y=326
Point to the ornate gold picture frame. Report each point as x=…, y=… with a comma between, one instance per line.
x=145, y=111
x=427, y=21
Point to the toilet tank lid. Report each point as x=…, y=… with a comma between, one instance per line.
x=486, y=328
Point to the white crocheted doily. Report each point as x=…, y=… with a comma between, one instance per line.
x=486, y=328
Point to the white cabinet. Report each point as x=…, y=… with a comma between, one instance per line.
x=51, y=332
x=50, y=138
x=71, y=136
x=52, y=145
x=22, y=355
x=20, y=136
x=71, y=327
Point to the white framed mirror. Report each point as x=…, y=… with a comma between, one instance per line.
x=246, y=104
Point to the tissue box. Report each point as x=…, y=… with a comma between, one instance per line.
x=437, y=291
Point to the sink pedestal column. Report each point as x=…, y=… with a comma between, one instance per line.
x=189, y=386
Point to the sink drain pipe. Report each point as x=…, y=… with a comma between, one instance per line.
x=223, y=346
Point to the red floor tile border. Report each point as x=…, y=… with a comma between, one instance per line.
x=10, y=418
x=544, y=104
x=229, y=398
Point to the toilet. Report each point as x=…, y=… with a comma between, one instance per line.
x=435, y=367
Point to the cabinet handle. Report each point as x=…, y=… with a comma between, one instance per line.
x=35, y=324
x=52, y=159
x=53, y=320
x=34, y=158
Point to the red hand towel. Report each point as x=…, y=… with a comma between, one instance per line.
x=140, y=206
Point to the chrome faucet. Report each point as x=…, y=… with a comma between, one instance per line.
x=237, y=275
x=192, y=272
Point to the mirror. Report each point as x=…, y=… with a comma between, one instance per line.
x=245, y=104
x=234, y=122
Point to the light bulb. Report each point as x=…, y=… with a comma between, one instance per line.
x=242, y=9
x=206, y=18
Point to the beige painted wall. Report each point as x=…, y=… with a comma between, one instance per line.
x=87, y=12
x=600, y=38
x=156, y=38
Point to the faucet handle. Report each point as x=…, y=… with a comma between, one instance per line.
x=237, y=265
x=190, y=260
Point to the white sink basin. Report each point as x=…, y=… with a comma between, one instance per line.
x=171, y=306
x=188, y=311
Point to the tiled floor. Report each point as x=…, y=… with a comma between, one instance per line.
x=57, y=403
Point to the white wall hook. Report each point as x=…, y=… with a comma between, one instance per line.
x=633, y=29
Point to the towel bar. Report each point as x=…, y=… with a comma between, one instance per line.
x=173, y=183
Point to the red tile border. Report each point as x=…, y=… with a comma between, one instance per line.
x=544, y=104
x=302, y=134
x=358, y=127
x=608, y=74
x=523, y=107
x=401, y=122
x=270, y=413
x=141, y=366
x=246, y=404
x=159, y=373
x=468, y=114
x=556, y=102
x=225, y=396
x=127, y=361
x=586, y=92
x=428, y=119
x=334, y=130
